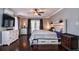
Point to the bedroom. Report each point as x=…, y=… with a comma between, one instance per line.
x=42, y=29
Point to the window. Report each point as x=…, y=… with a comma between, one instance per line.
x=35, y=25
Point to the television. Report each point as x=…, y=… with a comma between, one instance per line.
x=8, y=21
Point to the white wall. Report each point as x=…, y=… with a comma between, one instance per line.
x=16, y=24
x=72, y=17
x=8, y=11
x=11, y=13
x=1, y=13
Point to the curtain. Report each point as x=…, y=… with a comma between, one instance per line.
x=29, y=28
x=41, y=24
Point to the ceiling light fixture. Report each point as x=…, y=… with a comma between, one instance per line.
x=37, y=12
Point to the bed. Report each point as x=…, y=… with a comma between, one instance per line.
x=43, y=37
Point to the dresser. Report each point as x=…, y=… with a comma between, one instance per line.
x=8, y=36
x=69, y=42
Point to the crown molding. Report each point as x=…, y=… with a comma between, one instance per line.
x=55, y=13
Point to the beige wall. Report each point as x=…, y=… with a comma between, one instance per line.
x=46, y=23
x=23, y=23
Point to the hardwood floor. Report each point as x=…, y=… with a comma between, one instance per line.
x=22, y=44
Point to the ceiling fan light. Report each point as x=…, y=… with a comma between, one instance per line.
x=35, y=14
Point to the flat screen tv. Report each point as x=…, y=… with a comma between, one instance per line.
x=8, y=21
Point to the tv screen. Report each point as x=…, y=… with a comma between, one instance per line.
x=8, y=21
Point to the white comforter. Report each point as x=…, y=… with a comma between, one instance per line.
x=42, y=34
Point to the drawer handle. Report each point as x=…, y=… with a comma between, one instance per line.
x=42, y=41
x=52, y=41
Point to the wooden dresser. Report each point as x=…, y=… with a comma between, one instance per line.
x=69, y=42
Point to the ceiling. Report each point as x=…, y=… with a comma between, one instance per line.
x=27, y=12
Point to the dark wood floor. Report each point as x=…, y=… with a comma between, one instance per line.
x=22, y=44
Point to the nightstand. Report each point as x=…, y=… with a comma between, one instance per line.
x=23, y=31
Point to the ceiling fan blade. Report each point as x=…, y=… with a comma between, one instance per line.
x=41, y=12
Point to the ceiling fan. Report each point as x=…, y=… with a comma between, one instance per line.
x=37, y=11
